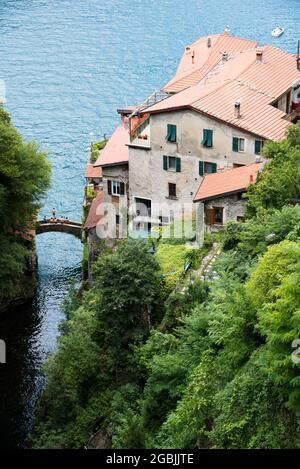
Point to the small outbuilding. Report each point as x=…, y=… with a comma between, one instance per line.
x=220, y=196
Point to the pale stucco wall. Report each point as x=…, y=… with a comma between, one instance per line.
x=148, y=179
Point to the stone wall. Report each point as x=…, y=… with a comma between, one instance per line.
x=148, y=179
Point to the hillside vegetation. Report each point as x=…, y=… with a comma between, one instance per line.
x=208, y=368
x=24, y=180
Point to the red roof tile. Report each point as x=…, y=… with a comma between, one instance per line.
x=116, y=150
x=92, y=171
x=228, y=182
x=95, y=215
x=241, y=77
x=205, y=59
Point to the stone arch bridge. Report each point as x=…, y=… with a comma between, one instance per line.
x=60, y=226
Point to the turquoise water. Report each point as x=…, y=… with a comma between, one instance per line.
x=67, y=65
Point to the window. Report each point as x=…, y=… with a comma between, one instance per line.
x=171, y=163
x=117, y=219
x=143, y=207
x=214, y=216
x=207, y=140
x=240, y=219
x=171, y=133
x=259, y=144
x=238, y=144
x=115, y=188
x=172, y=190
x=205, y=167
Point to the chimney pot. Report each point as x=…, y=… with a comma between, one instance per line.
x=259, y=56
x=224, y=56
x=209, y=42
x=237, y=109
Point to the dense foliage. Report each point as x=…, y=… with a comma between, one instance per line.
x=210, y=366
x=24, y=179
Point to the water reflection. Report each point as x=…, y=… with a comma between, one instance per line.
x=30, y=333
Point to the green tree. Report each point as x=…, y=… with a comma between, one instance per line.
x=24, y=180
x=279, y=183
x=127, y=288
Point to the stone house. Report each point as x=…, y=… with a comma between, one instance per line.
x=227, y=98
x=219, y=198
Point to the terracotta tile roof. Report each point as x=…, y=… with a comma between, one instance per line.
x=205, y=59
x=241, y=77
x=95, y=217
x=230, y=181
x=92, y=171
x=116, y=150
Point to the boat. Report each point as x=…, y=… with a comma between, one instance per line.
x=277, y=31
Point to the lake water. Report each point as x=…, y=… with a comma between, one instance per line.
x=67, y=65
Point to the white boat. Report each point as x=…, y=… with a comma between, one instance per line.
x=277, y=31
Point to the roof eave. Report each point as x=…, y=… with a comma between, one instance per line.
x=222, y=194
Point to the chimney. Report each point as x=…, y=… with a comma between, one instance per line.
x=193, y=57
x=237, y=109
x=209, y=43
x=259, y=56
x=224, y=56
x=251, y=179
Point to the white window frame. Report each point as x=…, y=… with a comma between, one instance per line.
x=169, y=168
x=240, y=139
x=116, y=188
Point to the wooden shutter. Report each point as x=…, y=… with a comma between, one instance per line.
x=258, y=146
x=172, y=190
x=201, y=168
x=109, y=187
x=178, y=165
x=165, y=163
x=209, y=216
x=171, y=133
x=235, y=144
x=204, y=140
x=209, y=138
x=122, y=188
x=214, y=167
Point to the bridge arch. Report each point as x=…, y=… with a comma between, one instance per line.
x=59, y=226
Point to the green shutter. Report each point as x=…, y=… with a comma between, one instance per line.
x=258, y=147
x=214, y=167
x=201, y=168
x=178, y=165
x=235, y=144
x=109, y=187
x=165, y=164
x=204, y=140
x=122, y=188
x=171, y=133
x=209, y=139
